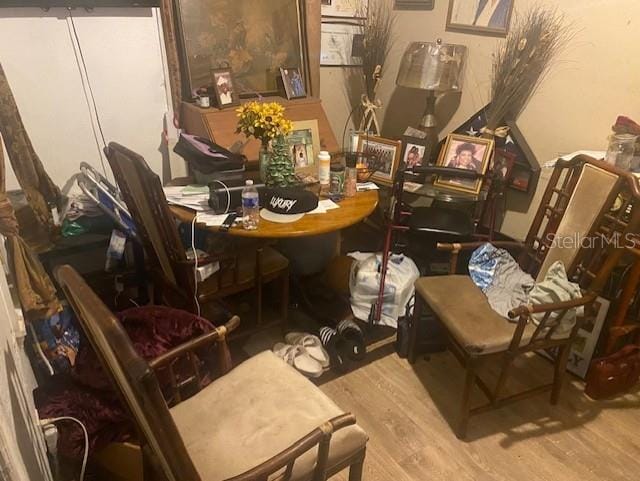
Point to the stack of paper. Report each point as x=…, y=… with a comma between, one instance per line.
x=364, y=186
x=192, y=197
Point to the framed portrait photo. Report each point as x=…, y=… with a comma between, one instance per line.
x=464, y=152
x=384, y=154
x=293, y=82
x=304, y=144
x=224, y=86
x=490, y=17
x=414, y=151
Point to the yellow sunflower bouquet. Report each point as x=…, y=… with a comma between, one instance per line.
x=263, y=120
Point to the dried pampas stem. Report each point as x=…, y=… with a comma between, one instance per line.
x=523, y=59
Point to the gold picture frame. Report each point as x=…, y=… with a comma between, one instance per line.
x=388, y=149
x=303, y=132
x=481, y=18
x=462, y=152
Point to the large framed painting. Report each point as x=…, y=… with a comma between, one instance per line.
x=253, y=39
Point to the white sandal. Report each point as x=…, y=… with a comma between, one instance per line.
x=312, y=344
x=299, y=358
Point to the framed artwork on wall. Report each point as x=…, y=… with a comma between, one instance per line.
x=342, y=45
x=464, y=152
x=253, y=39
x=345, y=8
x=413, y=4
x=490, y=17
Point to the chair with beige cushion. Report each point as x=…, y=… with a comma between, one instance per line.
x=585, y=199
x=258, y=421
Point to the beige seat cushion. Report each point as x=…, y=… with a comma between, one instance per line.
x=464, y=310
x=252, y=413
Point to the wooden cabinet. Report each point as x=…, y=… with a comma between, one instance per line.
x=220, y=125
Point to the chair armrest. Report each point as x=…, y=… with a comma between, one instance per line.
x=456, y=248
x=525, y=311
x=320, y=436
x=218, y=335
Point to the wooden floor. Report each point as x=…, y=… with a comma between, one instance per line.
x=406, y=411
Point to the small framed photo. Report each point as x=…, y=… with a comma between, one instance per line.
x=293, y=82
x=503, y=162
x=464, y=152
x=224, y=86
x=490, y=17
x=414, y=151
x=304, y=143
x=386, y=154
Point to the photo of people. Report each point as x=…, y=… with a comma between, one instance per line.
x=480, y=15
x=413, y=155
x=383, y=155
x=464, y=152
x=304, y=143
x=293, y=83
x=224, y=87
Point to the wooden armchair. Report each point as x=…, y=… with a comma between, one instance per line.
x=261, y=420
x=174, y=274
x=585, y=217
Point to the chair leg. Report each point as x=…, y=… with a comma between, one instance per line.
x=559, y=373
x=259, y=302
x=465, y=405
x=355, y=470
x=413, y=330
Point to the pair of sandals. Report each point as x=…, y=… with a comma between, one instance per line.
x=304, y=352
x=344, y=344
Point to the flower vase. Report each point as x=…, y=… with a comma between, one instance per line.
x=263, y=160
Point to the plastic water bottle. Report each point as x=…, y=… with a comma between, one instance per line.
x=250, y=206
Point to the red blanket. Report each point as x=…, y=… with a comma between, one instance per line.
x=87, y=393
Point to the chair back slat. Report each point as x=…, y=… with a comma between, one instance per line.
x=131, y=376
x=587, y=205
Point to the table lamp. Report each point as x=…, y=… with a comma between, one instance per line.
x=435, y=67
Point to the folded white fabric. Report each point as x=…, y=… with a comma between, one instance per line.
x=556, y=287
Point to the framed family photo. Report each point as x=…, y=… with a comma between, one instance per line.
x=304, y=143
x=224, y=87
x=491, y=17
x=384, y=153
x=293, y=82
x=464, y=152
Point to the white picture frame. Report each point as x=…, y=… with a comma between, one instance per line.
x=344, y=8
x=339, y=43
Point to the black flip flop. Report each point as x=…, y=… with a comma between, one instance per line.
x=337, y=347
x=354, y=337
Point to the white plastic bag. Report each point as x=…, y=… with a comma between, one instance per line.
x=364, y=283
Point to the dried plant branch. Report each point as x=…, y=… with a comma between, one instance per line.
x=377, y=31
x=522, y=61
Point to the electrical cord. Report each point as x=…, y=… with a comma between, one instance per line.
x=226, y=211
x=51, y=421
x=86, y=87
x=195, y=260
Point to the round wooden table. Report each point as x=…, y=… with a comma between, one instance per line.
x=351, y=211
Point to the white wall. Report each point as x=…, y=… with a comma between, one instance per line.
x=122, y=50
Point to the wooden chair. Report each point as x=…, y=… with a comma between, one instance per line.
x=174, y=278
x=585, y=199
x=258, y=419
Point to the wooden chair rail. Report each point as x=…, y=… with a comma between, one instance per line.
x=320, y=436
x=556, y=306
x=188, y=351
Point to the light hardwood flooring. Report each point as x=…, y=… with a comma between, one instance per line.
x=407, y=411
